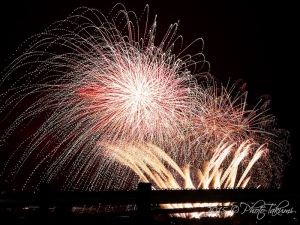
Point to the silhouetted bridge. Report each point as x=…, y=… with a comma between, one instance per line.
x=144, y=198
x=145, y=194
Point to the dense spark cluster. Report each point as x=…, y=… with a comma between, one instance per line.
x=120, y=109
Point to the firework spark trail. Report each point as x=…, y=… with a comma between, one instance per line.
x=152, y=169
x=108, y=86
x=133, y=90
x=112, y=99
x=222, y=114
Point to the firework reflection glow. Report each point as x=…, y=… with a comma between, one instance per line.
x=120, y=109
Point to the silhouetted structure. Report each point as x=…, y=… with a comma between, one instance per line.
x=144, y=203
x=23, y=199
x=143, y=197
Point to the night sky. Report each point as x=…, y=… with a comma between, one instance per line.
x=246, y=40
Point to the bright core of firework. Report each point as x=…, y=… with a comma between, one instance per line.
x=120, y=109
x=137, y=98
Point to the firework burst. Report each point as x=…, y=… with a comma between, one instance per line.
x=120, y=108
x=97, y=81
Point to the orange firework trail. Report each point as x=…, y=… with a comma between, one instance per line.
x=120, y=109
x=151, y=164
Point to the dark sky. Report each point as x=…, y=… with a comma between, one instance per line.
x=245, y=39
